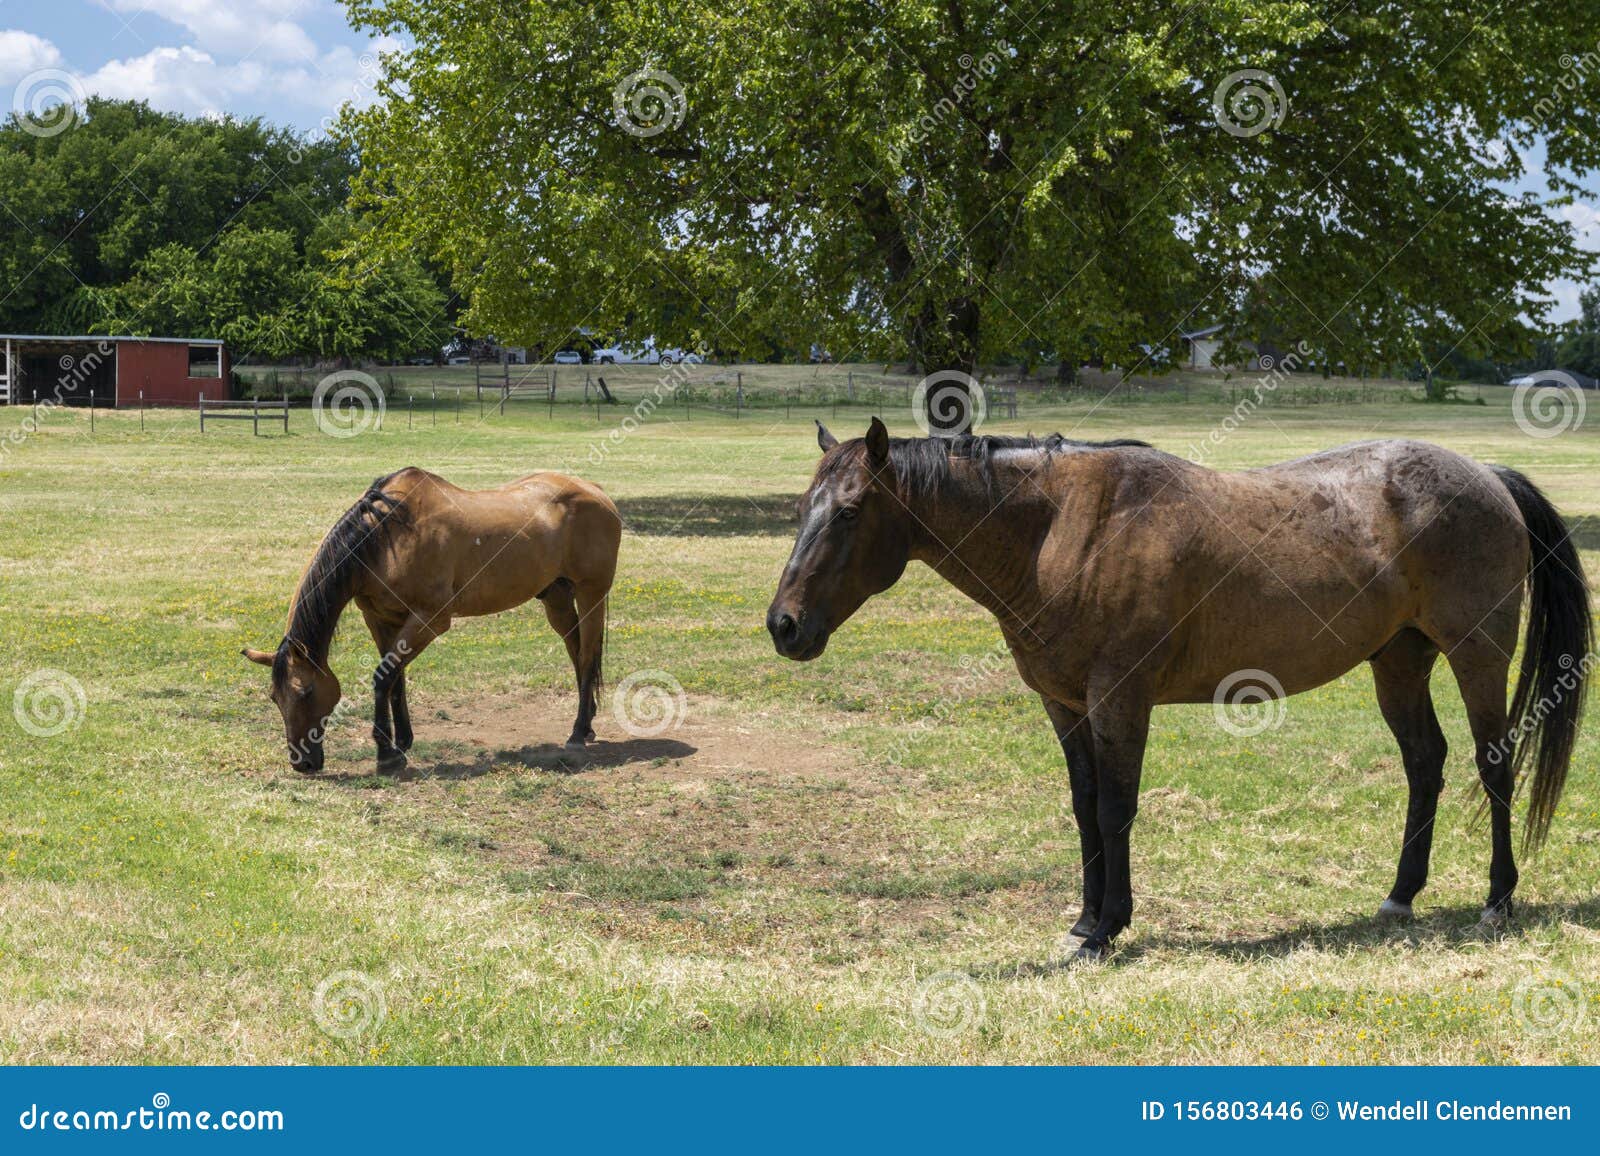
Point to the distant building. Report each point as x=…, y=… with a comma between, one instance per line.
x=112, y=371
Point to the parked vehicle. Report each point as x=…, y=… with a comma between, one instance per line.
x=646, y=354
x=567, y=357
x=461, y=359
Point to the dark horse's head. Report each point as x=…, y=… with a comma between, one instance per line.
x=306, y=693
x=854, y=541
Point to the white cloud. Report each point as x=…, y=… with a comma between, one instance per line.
x=198, y=83
x=257, y=28
x=22, y=53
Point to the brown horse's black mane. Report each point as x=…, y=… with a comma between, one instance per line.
x=325, y=591
x=922, y=465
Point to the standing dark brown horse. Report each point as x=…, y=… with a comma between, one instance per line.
x=416, y=552
x=1124, y=578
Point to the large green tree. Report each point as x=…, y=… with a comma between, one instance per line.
x=967, y=179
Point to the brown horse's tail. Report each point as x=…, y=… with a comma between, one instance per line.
x=1557, y=653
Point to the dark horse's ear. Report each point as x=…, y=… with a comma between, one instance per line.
x=254, y=655
x=877, y=443
x=825, y=439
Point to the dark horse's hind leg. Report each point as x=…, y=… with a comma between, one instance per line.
x=1400, y=673
x=1072, y=731
x=1481, y=668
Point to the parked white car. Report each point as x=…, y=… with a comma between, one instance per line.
x=646, y=354
x=460, y=360
x=567, y=357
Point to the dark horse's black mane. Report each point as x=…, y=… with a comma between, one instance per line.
x=922, y=465
x=324, y=592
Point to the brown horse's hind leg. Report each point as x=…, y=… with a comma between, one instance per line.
x=1072, y=732
x=561, y=608
x=591, y=607
x=1480, y=668
x=1400, y=673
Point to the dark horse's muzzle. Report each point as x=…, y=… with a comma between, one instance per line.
x=800, y=638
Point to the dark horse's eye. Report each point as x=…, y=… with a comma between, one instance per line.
x=849, y=513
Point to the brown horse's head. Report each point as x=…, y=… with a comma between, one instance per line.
x=307, y=694
x=854, y=541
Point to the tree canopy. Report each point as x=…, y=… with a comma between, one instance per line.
x=971, y=179
x=148, y=223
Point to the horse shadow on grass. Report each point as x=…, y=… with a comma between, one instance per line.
x=1459, y=924
x=551, y=757
x=710, y=515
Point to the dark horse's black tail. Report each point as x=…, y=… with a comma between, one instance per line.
x=1556, y=655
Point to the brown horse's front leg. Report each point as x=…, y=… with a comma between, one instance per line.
x=1119, y=726
x=391, y=714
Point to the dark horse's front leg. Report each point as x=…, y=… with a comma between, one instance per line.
x=403, y=737
x=1073, y=733
x=1119, y=724
x=391, y=714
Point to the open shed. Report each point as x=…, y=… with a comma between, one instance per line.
x=111, y=371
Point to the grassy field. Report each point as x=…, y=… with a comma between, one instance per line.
x=801, y=870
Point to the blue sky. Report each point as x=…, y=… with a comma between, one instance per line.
x=293, y=62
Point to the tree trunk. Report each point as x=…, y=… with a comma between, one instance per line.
x=945, y=342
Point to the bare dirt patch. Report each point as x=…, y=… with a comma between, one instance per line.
x=731, y=829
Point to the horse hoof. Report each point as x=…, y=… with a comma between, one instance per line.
x=1496, y=915
x=392, y=764
x=1087, y=954
x=574, y=745
x=1085, y=926
x=1389, y=909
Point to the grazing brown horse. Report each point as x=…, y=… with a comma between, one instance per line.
x=416, y=552
x=1125, y=578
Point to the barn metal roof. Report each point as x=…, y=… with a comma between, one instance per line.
x=105, y=337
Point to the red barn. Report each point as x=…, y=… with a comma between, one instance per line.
x=112, y=371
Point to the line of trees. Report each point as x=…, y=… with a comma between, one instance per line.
x=135, y=221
